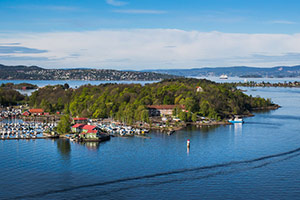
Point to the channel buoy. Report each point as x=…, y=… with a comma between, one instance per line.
x=188, y=143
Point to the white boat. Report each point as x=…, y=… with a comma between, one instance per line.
x=236, y=120
x=223, y=76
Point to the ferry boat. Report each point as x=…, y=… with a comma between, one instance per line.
x=223, y=76
x=236, y=120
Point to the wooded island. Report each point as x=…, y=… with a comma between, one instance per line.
x=129, y=103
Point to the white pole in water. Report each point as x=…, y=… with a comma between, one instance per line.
x=188, y=143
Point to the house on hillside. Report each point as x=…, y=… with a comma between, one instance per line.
x=158, y=110
x=199, y=89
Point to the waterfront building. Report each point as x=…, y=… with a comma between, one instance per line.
x=90, y=134
x=26, y=113
x=36, y=111
x=167, y=110
x=77, y=128
x=80, y=120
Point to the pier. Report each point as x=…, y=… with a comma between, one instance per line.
x=17, y=130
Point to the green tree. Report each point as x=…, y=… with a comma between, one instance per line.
x=183, y=116
x=194, y=117
x=64, y=125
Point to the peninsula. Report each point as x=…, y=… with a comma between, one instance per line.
x=37, y=73
x=186, y=99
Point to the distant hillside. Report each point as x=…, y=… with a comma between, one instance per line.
x=241, y=71
x=37, y=73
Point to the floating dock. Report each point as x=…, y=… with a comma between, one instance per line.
x=31, y=138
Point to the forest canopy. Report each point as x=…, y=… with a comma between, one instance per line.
x=127, y=102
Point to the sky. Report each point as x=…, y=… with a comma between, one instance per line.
x=149, y=34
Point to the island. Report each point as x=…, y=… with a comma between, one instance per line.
x=172, y=102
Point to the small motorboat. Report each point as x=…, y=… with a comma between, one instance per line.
x=236, y=120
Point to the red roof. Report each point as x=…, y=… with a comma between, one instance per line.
x=37, y=110
x=164, y=107
x=26, y=113
x=80, y=118
x=92, y=131
x=88, y=127
x=78, y=126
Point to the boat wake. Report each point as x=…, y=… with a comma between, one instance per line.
x=202, y=172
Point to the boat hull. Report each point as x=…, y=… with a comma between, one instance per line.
x=235, y=122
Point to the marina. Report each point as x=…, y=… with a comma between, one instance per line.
x=15, y=130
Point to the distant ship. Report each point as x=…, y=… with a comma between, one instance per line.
x=223, y=76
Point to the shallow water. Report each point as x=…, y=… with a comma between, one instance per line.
x=257, y=160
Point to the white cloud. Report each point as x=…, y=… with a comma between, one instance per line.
x=139, y=11
x=116, y=3
x=155, y=48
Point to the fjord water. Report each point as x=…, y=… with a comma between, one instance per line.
x=257, y=160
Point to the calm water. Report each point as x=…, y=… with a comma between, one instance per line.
x=72, y=83
x=257, y=160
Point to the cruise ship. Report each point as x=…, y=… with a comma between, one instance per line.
x=223, y=76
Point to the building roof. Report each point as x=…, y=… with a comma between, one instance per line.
x=80, y=118
x=25, y=113
x=164, y=107
x=78, y=126
x=88, y=127
x=37, y=110
x=92, y=131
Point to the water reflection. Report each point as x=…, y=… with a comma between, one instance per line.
x=263, y=112
x=202, y=128
x=238, y=129
x=91, y=145
x=64, y=148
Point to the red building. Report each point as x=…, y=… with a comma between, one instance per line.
x=80, y=120
x=26, y=113
x=36, y=111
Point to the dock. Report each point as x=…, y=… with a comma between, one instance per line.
x=31, y=138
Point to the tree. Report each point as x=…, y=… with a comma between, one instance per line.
x=145, y=116
x=194, y=117
x=66, y=86
x=183, y=116
x=64, y=125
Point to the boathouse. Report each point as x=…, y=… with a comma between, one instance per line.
x=26, y=113
x=158, y=110
x=87, y=128
x=77, y=128
x=90, y=134
x=82, y=128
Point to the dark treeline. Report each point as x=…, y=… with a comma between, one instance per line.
x=19, y=86
x=10, y=97
x=127, y=102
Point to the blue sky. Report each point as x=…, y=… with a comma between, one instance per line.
x=143, y=34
